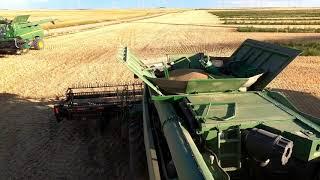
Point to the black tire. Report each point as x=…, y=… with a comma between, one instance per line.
x=38, y=44
x=137, y=149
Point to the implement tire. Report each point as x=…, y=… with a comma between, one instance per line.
x=38, y=43
x=137, y=149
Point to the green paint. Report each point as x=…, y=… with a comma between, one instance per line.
x=223, y=110
x=20, y=33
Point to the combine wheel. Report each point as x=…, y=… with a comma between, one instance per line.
x=137, y=149
x=38, y=43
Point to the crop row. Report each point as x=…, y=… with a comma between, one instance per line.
x=272, y=19
x=311, y=48
x=274, y=22
x=285, y=30
x=267, y=13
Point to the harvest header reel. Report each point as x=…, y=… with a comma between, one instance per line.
x=19, y=35
x=99, y=101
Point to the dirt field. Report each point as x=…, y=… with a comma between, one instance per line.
x=41, y=148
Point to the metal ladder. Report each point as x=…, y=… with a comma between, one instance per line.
x=236, y=154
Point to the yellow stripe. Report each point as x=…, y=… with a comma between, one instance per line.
x=31, y=32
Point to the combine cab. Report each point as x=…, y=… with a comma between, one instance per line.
x=212, y=118
x=19, y=35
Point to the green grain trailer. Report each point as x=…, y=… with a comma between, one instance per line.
x=19, y=35
x=212, y=118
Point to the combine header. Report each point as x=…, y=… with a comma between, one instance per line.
x=19, y=35
x=97, y=101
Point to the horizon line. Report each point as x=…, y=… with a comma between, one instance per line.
x=196, y=8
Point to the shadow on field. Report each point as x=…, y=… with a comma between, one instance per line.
x=5, y=54
x=305, y=102
x=34, y=146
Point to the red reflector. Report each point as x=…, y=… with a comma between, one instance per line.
x=56, y=110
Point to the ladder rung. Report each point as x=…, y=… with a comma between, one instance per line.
x=230, y=168
x=229, y=141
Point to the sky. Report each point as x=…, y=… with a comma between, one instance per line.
x=115, y=4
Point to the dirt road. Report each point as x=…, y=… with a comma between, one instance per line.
x=36, y=146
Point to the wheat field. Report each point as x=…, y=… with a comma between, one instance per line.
x=67, y=18
x=89, y=57
x=35, y=146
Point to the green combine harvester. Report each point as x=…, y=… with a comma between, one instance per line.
x=212, y=118
x=19, y=35
x=203, y=117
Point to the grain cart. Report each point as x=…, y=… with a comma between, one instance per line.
x=210, y=117
x=19, y=35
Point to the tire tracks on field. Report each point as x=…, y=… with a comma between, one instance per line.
x=104, y=24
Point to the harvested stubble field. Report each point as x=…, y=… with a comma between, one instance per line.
x=90, y=57
x=67, y=18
